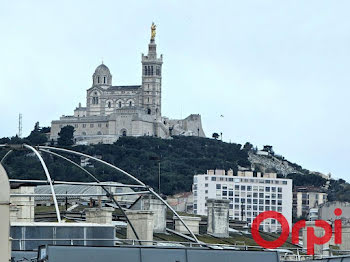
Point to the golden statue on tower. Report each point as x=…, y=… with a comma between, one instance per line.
x=153, y=31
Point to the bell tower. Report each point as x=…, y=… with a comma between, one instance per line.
x=152, y=78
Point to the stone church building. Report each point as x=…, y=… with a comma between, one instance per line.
x=135, y=110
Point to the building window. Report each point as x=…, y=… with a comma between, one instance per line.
x=124, y=133
x=84, y=125
x=99, y=125
x=104, y=79
x=218, y=186
x=130, y=103
x=146, y=71
x=109, y=104
x=98, y=79
x=120, y=104
x=91, y=125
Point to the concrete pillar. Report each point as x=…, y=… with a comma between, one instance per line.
x=99, y=215
x=345, y=245
x=5, y=247
x=191, y=222
x=153, y=204
x=143, y=224
x=24, y=205
x=319, y=232
x=218, y=217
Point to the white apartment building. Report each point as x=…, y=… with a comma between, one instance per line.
x=249, y=195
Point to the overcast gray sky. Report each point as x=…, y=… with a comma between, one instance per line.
x=277, y=70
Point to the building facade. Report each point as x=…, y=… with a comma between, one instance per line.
x=249, y=195
x=135, y=110
x=307, y=198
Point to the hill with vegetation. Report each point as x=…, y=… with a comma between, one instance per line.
x=179, y=159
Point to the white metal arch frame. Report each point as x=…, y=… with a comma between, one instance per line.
x=108, y=193
x=127, y=174
x=48, y=149
x=47, y=173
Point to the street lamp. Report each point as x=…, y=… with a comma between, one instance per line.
x=157, y=158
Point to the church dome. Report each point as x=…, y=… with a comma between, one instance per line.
x=102, y=69
x=102, y=76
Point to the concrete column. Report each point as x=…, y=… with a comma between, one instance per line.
x=24, y=205
x=143, y=224
x=99, y=215
x=5, y=247
x=319, y=232
x=191, y=222
x=345, y=245
x=153, y=204
x=218, y=217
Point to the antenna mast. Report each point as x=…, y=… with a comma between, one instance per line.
x=20, y=125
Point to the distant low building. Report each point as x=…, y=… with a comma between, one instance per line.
x=326, y=211
x=250, y=193
x=182, y=202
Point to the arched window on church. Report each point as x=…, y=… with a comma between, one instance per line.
x=130, y=103
x=124, y=132
x=149, y=70
x=120, y=104
x=95, y=99
x=146, y=71
x=109, y=104
x=98, y=79
x=149, y=111
x=104, y=79
x=152, y=70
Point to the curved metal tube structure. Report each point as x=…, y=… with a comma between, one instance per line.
x=48, y=149
x=48, y=179
x=98, y=160
x=108, y=194
x=5, y=156
x=129, y=175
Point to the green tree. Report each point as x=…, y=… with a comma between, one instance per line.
x=36, y=137
x=215, y=135
x=248, y=147
x=66, y=136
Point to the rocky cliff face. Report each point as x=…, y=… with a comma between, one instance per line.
x=271, y=164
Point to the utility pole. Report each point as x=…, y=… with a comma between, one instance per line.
x=159, y=176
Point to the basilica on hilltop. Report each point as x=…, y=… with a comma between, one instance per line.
x=134, y=110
